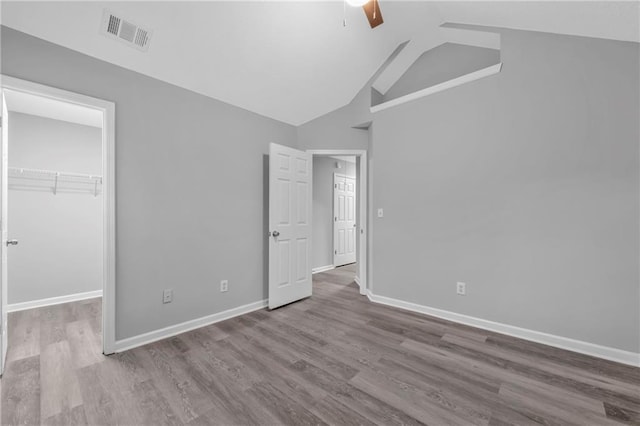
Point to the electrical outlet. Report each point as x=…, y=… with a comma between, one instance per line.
x=224, y=285
x=380, y=213
x=167, y=296
x=461, y=289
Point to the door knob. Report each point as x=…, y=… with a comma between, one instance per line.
x=12, y=242
x=275, y=233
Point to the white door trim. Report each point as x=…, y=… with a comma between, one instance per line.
x=108, y=186
x=363, y=280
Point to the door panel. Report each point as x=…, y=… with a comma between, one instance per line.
x=3, y=231
x=290, y=225
x=301, y=257
x=344, y=233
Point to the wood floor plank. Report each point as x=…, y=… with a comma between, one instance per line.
x=25, y=326
x=334, y=358
x=466, y=400
x=548, y=407
x=59, y=386
x=283, y=407
x=429, y=407
x=622, y=415
x=85, y=345
x=21, y=392
x=366, y=405
x=68, y=417
x=549, y=367
x=308, y=351
x=187, y=400
x=229, y=404
x=152, y=406
x=600, y=366
x=99, y=406
x=334, y=412
x=273, y=369
x=53, y=323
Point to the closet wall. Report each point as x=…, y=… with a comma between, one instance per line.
x=323, y=170
x=60, y=236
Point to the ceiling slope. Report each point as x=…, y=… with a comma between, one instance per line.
x=291, y=61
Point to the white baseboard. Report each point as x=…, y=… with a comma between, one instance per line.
x=322, y=269
x=599, y=351
x=14, y=307
x=357, y=280
x=173, y=330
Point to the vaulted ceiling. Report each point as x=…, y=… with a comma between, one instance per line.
x=292, y=61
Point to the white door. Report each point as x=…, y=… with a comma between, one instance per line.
x=3, y=231
x=289, y=225
x=344, y=220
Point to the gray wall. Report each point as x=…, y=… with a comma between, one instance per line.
x=189, y=176
x=323, y=170
x=332, y=131
x=524, y=185
x=443, y=63
x=60, y=236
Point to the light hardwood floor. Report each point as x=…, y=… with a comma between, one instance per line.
x=334, y=358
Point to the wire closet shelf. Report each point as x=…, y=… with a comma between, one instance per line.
x=36, y=179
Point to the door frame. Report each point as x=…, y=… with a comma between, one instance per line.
x=335, y=175
x=362, y=277
x=108, y=110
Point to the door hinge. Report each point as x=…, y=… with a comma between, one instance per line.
x=335, y=252
x=335, y=219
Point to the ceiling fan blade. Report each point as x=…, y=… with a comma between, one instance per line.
x=374, y=15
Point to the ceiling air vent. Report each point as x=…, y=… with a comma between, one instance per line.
x=118, y=28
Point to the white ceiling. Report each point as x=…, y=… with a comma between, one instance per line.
x=50, y=108
x=292, y=61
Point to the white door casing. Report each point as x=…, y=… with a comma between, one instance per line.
x=344, y=220
x=364, y=277
x=290, y=174
x=107, y=110
x=3, y=231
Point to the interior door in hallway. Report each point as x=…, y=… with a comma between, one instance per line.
x=289, y=225
x=344, y=220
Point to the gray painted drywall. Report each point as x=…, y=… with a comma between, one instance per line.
x=332, y=131
x=189, y=186
x=524, y=185
x=335, y=130
x=60, y=236
x=323, y=170
x=443, y=63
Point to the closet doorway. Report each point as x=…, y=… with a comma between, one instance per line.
x=340, y=215
x=57, y=247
